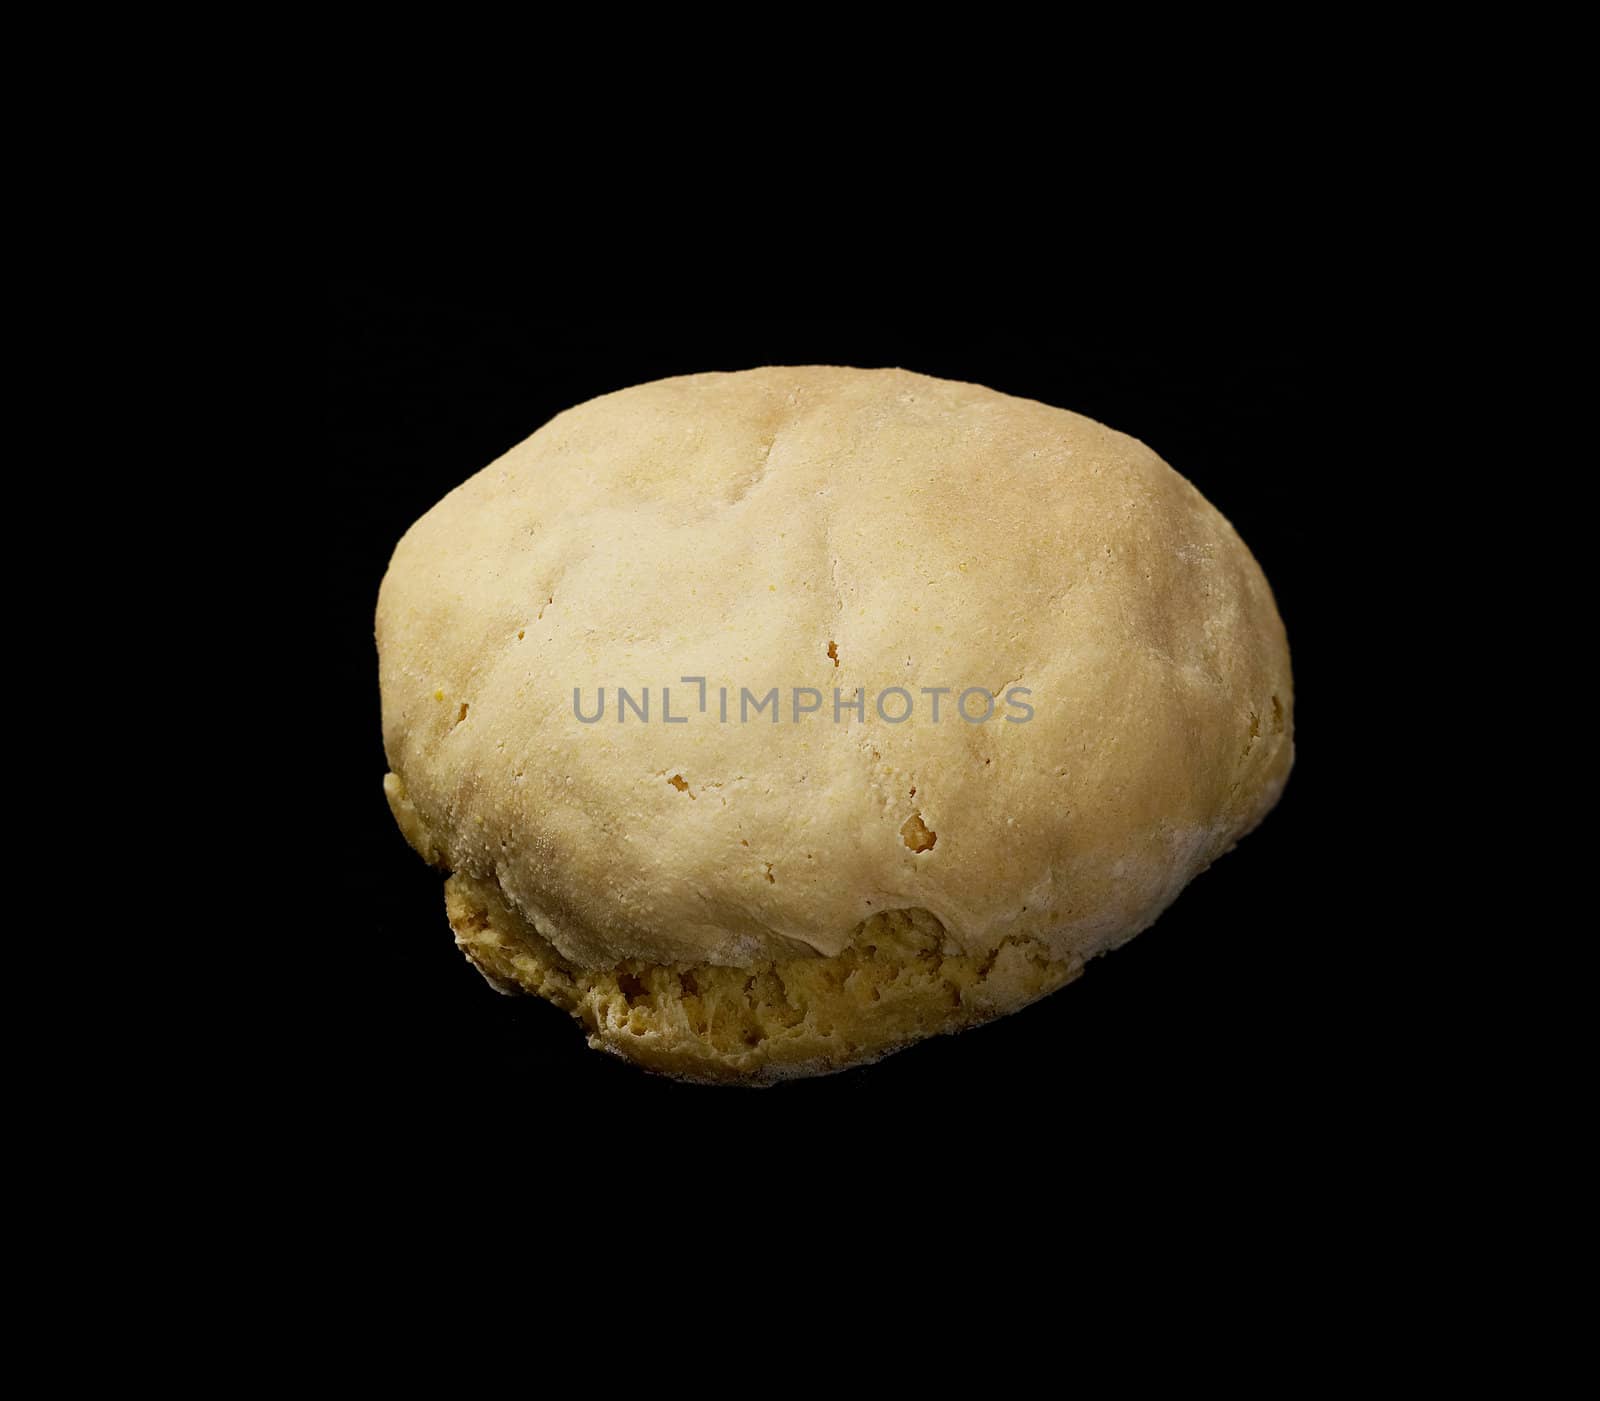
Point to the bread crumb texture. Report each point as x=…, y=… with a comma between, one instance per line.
x=899, y=981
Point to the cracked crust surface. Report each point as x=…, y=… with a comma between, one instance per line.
x=822, y=527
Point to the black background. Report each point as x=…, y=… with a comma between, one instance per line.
x=1222, y=1023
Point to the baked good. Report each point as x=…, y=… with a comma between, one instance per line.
x=723, y=888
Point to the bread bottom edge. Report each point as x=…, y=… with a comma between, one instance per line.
x=894, y=985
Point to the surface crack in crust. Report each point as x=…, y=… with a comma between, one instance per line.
x=892, y=985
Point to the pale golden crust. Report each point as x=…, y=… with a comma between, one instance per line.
x=828, y=527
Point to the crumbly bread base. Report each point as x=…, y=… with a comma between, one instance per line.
x=901, y=979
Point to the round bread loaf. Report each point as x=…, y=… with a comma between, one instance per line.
x=771, y=721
